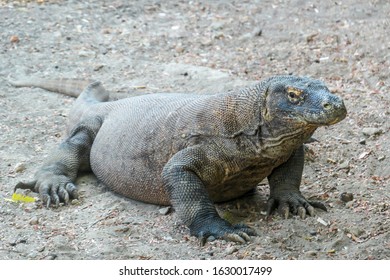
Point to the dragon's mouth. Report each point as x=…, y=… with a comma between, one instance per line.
x=336, y=120
x=325, y=117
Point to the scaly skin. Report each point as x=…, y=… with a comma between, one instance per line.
x=191, y=151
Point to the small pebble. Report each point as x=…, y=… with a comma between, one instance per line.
x=231, y=250
x=362, y=141
x=321, y=221
x=206, y=42
x=356, y=231
x=372, y=131
x=122, y=229
x=20, y=167
x=98, y=67
x=34, y=221
x=210, y=239
x=311, y=253
x=349, y=204
x=168, y=238
x=165, y=210
x=346, y=197
x=75, y=202
x=179, y=49
x=41, y=249
x=344, y=165
x=32, y=256
x=51, y=257
x=14, y=39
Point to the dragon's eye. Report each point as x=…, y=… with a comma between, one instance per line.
x=294, y=94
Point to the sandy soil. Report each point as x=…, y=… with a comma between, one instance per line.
x=183, y=46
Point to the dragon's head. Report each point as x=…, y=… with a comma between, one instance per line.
x=301, y=101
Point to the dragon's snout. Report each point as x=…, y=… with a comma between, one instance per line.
x=334, y=109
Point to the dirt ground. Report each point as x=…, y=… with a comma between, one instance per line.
x=137, y=47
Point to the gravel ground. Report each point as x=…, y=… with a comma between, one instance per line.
x=191, y=46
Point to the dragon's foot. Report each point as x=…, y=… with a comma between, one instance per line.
x=219, y=228
x=292, y=202
x=52, y=189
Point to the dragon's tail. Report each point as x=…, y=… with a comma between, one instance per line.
x=69, y=87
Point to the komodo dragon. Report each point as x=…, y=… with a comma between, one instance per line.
x=190, y=150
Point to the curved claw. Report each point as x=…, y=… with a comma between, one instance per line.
x=271, y=206
x=235, y=237
x=245, y=230
x=319, y=205
x=63, y=194
x=293, y=203
x=52, y=190
x=54, y=196
x=72, y=190
x=284, y=209
x=218, y=228
x=46, y=200
x=301, y=212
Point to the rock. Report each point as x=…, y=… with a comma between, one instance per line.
x=86, y=53
x=122, y=229
x=217, y=25
x=98, y=67
x=18, y=241
x=258, y=32
x=349, y=204
x=210, y=239
x=34, y=221
x=130, y=221
x=364, y=155
x=32, y=255
x=380, y=158
x=344, y=165
x=311, y=38
x=346, y=197
x=356, y=231
x=362, y=141
x=179, y=49
x=51, y=257
x=321, y=221
x=20, y=167
x=168, y=238
x=75, y=202
x=231, y=250
x=41, y=249
x=165, y=210
x=14, y=39
x=339, y=243
x=372, y=131
x=60, y=241
x=311, y=253
x=206, y=42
